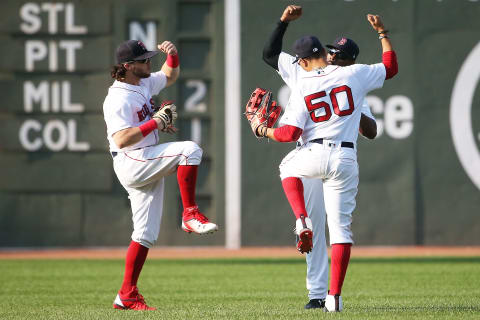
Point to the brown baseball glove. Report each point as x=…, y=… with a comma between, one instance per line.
x=167, y=113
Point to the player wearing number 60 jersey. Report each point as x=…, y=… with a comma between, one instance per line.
x=324, y=111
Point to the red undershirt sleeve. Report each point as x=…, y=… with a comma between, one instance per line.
x=287, y=133
x=389, y=59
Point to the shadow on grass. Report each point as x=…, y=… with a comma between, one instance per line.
x=423, y=308
x=300, y=260
x=418, y=260
x=252, y=261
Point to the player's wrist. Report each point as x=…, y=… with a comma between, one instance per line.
x=173, y=61
x=262, y=131
x=148, y=127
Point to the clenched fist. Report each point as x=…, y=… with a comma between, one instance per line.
x=376, y=22
x=168, y=48
x=291, y=13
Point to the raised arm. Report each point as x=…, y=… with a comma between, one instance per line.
x=273, y=47
x=171, y=67
x=389, y=58
x=377, y=25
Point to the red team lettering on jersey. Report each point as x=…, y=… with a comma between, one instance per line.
x=142, y=114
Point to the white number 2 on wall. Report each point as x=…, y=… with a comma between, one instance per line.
x=194, y=103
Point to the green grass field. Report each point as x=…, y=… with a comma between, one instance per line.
x=408, y=288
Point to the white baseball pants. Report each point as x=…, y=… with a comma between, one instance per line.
x=330, y=177
x=141, y=173
x=317, y=259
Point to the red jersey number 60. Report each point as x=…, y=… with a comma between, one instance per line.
x=322, y=104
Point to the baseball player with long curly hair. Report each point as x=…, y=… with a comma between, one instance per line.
x=324, y=114
x=140, y=162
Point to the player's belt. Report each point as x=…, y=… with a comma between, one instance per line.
x=344, y=144
x=114, y=153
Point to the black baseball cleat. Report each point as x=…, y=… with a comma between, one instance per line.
x=315, y=304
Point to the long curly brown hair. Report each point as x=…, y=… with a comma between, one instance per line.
x=118, y=72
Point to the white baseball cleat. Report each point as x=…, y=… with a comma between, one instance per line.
x=333, y=303
x=194, y=221
x=304, y=234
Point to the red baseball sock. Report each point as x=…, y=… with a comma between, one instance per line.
x=293, y=188
x=187, y=180
x=136, y=256
x=338, y=268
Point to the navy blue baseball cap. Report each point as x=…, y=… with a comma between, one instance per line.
x=133, y=50
x=347, y=46
x=306, y=46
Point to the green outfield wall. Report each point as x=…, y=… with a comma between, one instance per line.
x=419, y=179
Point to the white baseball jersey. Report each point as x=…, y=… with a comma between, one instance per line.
x=122, y=109
x=327, y=103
